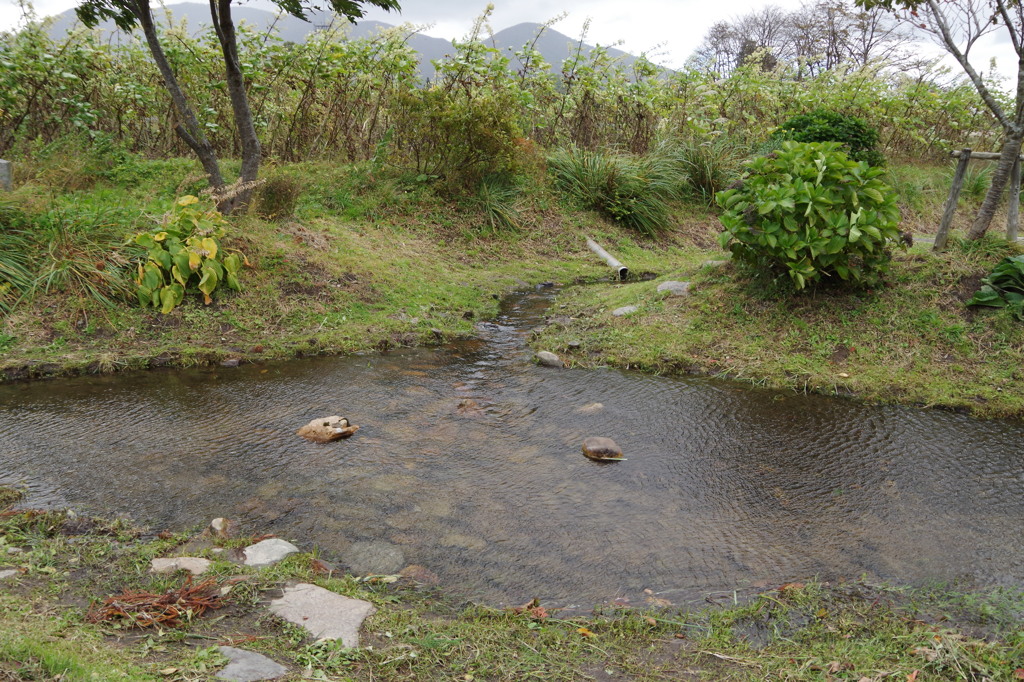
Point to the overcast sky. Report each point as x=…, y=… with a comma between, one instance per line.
x=667, y=30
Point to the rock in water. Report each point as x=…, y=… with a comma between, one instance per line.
x=268, y=552
x=601, y=449
x=549, y=359
x=326, y=429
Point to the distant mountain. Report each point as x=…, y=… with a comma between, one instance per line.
x=554, y=46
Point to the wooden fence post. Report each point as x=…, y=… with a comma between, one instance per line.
x=954, y=194
x=1013, y=210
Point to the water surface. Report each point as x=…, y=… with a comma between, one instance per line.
x=468, y=460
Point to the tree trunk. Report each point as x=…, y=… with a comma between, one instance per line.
x=220, y=11
x=188, y=129
x=1007, y=155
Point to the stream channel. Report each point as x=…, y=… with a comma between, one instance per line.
x=468, y=463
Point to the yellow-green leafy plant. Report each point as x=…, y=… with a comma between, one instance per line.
x=185, y=255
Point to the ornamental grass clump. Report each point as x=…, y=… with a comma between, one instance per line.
x=810, y=212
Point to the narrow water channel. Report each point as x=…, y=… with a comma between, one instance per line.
x=468, y=463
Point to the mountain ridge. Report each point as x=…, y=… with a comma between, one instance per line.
x=555, y=46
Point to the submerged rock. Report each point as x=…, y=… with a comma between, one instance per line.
x=326, y=429
x=592, y=408
x=374, y=558
x=549, y=359
x=601, y=449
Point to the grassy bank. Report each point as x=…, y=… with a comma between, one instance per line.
x=347, y=259
x=67, y=566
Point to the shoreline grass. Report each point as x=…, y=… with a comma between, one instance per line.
x=799, y=631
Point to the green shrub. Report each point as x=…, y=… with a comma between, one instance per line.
x=631, y=190
x=277, y=197
x=184, y=255
x=1004, y=287
x=822, y=125
x=810, y=211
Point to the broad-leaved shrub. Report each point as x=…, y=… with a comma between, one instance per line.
x=185, y=255
x=809, y=211
x=821, y=125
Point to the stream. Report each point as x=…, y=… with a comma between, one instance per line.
x=468, y=463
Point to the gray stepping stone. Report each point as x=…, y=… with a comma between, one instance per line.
x=268, y=552
x=625, y=310
x=325, y=614
x=193, y=565
x=249, y=666
x=675, y=288
x=549, y=359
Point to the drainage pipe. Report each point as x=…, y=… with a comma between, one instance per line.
x=619, y=268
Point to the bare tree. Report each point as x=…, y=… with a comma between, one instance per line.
x=957, y=25
x=817, y=37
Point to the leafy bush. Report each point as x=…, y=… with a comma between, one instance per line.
x=822, y=125
x=631, y=190
x=184, y=255
x=1004, y=287
x=276, y=198
x=810, y=211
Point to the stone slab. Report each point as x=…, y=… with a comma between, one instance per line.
x=249, y=666
x=8, y=573
x=625, y=310
x=193, y=565
x=268, y=552
x=323, y=613
x=675, y=288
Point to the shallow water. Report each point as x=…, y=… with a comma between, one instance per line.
x=468, y=460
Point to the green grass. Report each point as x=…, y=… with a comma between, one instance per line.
x=912, y=341
x=372, y=260
x=810, y=631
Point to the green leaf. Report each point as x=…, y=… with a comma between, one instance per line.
x=171, y=296
x=161, y=257
x=987, y=296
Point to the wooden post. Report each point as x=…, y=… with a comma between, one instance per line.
x=1013, y=210
x=6, y=182
x=954, y=194
x=619, y=268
